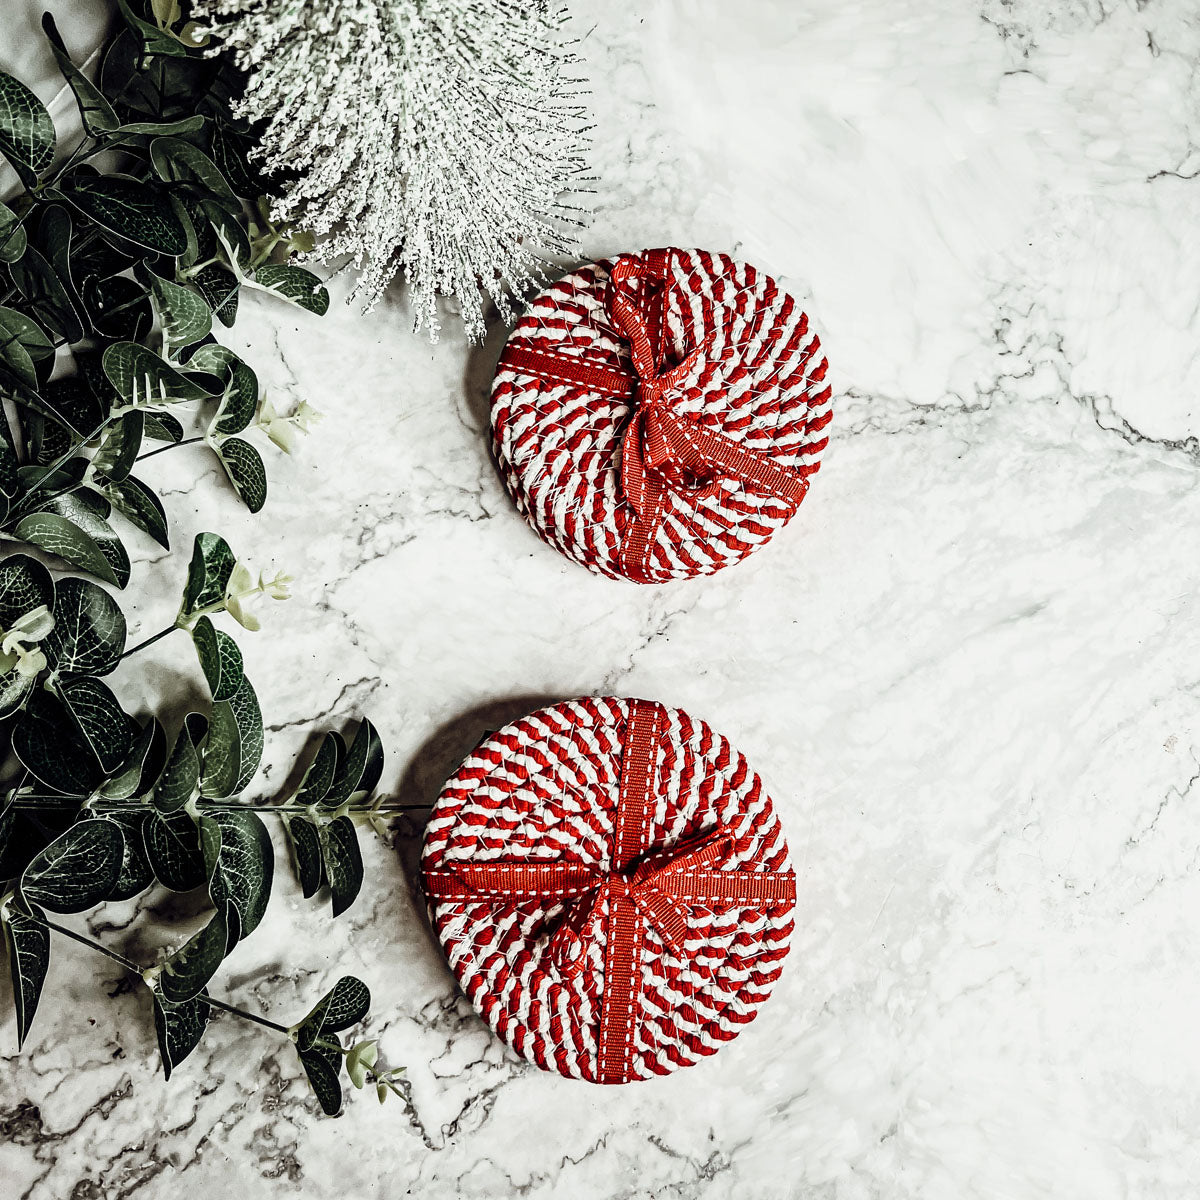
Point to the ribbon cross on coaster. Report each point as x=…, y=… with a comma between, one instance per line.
x=661, y=449
x=644, y=888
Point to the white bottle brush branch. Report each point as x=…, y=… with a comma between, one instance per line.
x=438, y=138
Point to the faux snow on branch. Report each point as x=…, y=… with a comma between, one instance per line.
x=433, y=137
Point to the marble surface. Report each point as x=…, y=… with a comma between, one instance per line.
x=969, y=670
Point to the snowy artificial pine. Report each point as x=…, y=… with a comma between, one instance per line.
x=433, y=137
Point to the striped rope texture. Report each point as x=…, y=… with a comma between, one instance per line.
x=545, y=790
x=757, y=381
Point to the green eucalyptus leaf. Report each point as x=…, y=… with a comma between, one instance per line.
x=358, y=771
x=163, y=427
x=27, y=137
x=142, y=377
x=101, y=719
x=188, y=970
x=179, y=1027
x=343, y=862
x=239, y=398
x=82, y=539
x=322, y=1065
x=173, y=850
x=89, y=630
x=98, y=115
x=248, y=715
x=24, y=585
x=345, y=1004
x=220, y=659
x=154, y=40
x=212, y=564
x=164, y=128
x=12, y=235
x=136, y=874
x=139, y=505
x=219, y=287
x=240, y=861
x=136, y=212
x=118, y=307
x=318, y=778
x=184, y=314
x=22, y=343
x=28, y=943
x=231, y=153
x=179, y=162
x=234, y=747
x=244, y=466
x=77, y=870
x=181, y=776
x=50, y=299
x=294, y=284
x=147, y=749
x=119, y=447
x=305, y=843
x=49, y=744
x=14, y=690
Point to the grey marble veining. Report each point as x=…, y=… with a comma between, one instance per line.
x=969, y=670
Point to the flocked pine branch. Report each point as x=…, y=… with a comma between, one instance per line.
x=440, y=138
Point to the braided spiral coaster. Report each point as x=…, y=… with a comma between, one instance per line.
x=660, y=416
x=611, y=886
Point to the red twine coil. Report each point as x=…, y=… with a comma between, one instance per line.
x=620, y=937
x=660, y=416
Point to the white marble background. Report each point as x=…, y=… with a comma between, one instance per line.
x=969, y=670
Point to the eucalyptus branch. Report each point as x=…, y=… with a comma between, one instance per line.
x=170, y=446
x=162, y=633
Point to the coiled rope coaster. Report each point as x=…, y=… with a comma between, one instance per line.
x=660, y=416
x=611, y=886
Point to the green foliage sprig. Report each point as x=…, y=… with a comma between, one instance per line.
x=111, y=283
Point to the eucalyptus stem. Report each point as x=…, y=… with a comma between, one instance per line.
x=162, y=633
x=134, y=969
x=169, y=446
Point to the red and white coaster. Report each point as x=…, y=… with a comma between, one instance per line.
x=611, y=886
x=660, y=416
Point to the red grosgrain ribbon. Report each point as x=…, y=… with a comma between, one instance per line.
x=643, y=888
x=660, y=448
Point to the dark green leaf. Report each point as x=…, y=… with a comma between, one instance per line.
x=24, y=585
x=12, y=235
x=184, y=315
x=134, y=211
x=186, y=972
x=322, y=1066
x=82, y=539
x=156, y=41
x=164, y=128
x=244, y=466
x=89, y=630
x=146, y=755
x=77, y=870
x=98, y=115
x=177, y=161
x=239, y=399
x=163, y=427
x=294, y=284
x=14, y=688
x=359, y=769
x=240, y=861
x=314, y=787
x=119, y=448
x=181, y=776
x=22, y=343
x=220, y=659
x=306, y=854
x=173, y=848
x=219, y=287
x=28, y=944
x=26, y=131
x=136, y=874
x=231, y=154
x=48, y=295
x=212, y=564
x=343, y=862
x=103, y=722
x=179, y=1027
x=50, y=745
x=138, y=504
x=118, y=307
x=345, y=1004
x=141, y=377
